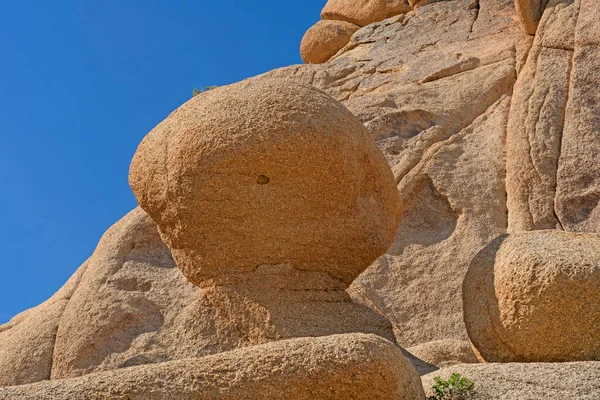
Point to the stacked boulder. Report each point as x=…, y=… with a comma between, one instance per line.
x=340, y=20
x=272, y=198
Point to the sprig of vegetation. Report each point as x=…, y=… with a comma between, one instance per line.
x=457, y=387
x=202, y=90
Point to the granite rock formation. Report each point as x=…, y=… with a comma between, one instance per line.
x=487, y=112
x=488, y=130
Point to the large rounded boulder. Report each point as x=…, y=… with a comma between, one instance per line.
x=535, y=297
x=266, y=172
x=324, y=39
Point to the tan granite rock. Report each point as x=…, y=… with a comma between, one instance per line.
x=274, y=219
x=363, y=12
x=303, y=184
x=353, y=366
x=433, y=87
x=552, y=139
x=530, y=12
x=27, y=341
x=537, y=117
x=535, y=297
x=129, y=306
x=578, y=175
x=445, y=352
x=324, y=39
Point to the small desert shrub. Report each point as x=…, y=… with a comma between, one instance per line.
x=202, y=90
x=457, y=387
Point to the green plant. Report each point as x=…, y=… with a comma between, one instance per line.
x=202, y=90
x=457, y=387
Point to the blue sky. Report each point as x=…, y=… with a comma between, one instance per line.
x=81, y=83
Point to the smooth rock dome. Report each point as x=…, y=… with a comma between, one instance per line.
x=535, y=297
x=266, y=172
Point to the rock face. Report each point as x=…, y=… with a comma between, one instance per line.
x=530, y=381
x=123, y=311
x=433, y=87
x=488, y=131
x=530, y=12
x=340, y=367
x=324, y=39
x=110, y=314
x=535, y=297
x=303, y=184
x=363, y=12
x=553, y=179
x=27, y=341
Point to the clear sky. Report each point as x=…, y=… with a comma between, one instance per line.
x=81, y=83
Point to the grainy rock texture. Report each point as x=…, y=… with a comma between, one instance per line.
x=303, y=183
x=273, y=219
x=530, y=12
x=324, y=39
x=434, y=89
x=529, y=381
x=442, y=353
x=277, y=302
x=553, y=174
x=488, y=131
x=363, y=12
x=27, y=341
x=535, y=296
x=130, y=306
x=353, y=366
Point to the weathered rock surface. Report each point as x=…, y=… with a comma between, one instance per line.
x=279, y=302
x=273, y=219
x=465, y=69
x=324, y=39
x=109, y=315
x=353, y=366
x=363, y=12
x=530, y=12
x=130, y=305
x=434, y=88
x=553, y=177
x=27, y=341
x=303, y=184
x=488, y=131
x=530, y=381
x=535, y=297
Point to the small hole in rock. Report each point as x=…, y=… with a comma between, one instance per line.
x=262, y=179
